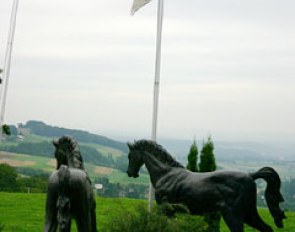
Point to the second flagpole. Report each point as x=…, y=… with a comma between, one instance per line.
x=156, y=85
x=7, y=62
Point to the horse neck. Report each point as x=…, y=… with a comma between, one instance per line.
x=155, y=167
x=74, y=162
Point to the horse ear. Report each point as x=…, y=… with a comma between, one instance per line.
x=55, y=143
x=130, y=145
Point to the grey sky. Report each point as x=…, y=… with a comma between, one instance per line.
x=228, y=67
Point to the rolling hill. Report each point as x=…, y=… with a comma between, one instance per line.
x=30, y=150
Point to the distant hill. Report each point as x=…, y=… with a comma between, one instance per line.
x=43, y=129
x=102, y=151
x=35, y=138
x=232, y=150
x=241, y=156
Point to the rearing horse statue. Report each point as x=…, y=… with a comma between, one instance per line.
x=70, y=193
x=231, y=193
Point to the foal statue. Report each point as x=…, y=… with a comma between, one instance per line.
x=70, y=193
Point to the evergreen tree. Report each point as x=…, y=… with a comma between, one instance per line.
x=208, y=164
x=6, y=130
x=193, y=158
x=207, y=158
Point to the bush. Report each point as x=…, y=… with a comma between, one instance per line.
x=141, y=220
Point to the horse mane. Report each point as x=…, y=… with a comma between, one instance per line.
x=158, y=151
x=74, y=151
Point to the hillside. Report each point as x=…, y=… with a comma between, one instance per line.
x=237, y=150
x=29, y=149
x=242, y=156
x=100, y=151
x=42, y=129
x=35, y=138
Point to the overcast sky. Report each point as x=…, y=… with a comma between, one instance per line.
x=228, y=67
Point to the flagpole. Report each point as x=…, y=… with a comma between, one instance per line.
x=156, y=85
x=7, y=62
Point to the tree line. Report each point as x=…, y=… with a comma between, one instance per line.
x=10, y=181
x=37, y=182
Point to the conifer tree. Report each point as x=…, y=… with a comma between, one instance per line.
x=6, y=130
x=207, y=158
x=193, y=158
x=208, y=164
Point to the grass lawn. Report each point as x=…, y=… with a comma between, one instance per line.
x=25, y=213
x=122, y=178
x=105, y=150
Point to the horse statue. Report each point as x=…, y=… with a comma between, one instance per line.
x=70, y=193
x=231, y=193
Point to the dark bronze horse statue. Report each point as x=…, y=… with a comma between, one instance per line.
x=70, y=193
x=231, y=193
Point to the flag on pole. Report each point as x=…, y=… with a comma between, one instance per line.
x=137, y=4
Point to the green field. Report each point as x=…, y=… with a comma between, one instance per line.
x=48, y=165
x=25, y=212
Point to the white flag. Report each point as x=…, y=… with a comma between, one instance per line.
x=137, y=4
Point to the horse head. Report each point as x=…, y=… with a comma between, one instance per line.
x=144, y=148
x=135, y=161
x=67, y=152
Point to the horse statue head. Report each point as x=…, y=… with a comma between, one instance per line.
x=67, y=153
x=142, y=148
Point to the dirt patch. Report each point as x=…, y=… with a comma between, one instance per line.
x=103, y=170
x=17, y=163
x=6, y=155
x=52, y=163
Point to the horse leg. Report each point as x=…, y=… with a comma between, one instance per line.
x=50, y=221
x=51, y=210
x=82, y=223
x=252, y=218
x=93, y=214
x=93, y=221
x=255, y=221
x=83, y=217
x=234, y=222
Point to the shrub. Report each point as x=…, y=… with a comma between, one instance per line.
x=141, y=220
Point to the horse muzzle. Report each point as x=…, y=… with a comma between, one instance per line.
x=135, y=175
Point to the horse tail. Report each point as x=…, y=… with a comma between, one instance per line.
x=272, y=193
x=63, y=203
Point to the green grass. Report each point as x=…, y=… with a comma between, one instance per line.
x=122, y=178
x=31, y=138
x=26, y=213
x=105, y=150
